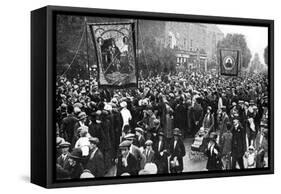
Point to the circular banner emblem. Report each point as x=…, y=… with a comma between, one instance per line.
x=228, y=62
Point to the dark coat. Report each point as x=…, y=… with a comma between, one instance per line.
x=161, y=161
x=96, y=163
x=131, y=168
x=62, y=172
x=179, y=152
x=180, y=116
x=75, y=171
x=150, y=157
x=140, y=142
x=62, y=162
x=214, y=159
x=238, y=142
x=68, y=127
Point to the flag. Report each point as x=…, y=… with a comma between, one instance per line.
x=229, y=62
x=115, y=52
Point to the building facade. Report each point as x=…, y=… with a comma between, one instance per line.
x=194, y=43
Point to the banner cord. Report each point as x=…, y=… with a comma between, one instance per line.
x=76, y=53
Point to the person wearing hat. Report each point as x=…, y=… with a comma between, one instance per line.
x=140, y=140
x=177, y=152
x=126, y=162
x=82, y=121
x=226, y=143
x=148, y=152
x=213, y=153
x=261, y=145
x=233, y=110
x=62, y=160
x=153, y=129
x=197, y=116
x=83, y=141
x=167, y=120
x=208, y=121
x=222, y=120
x=161, y=153
x=135, y=151
x=250, y=157
x=125, y=113
x=96, y=130
x=96, y=160
x=74, y=165
x=238, y=144
x=68, y=123
x=180, y=115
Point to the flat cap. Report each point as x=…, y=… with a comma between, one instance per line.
x=139, y=129
x=129, y=136
x=148, y=143
x=124, y=144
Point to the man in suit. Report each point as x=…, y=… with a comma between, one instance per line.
x=135, y=151
x=126, y=162
x=148, y=152
x=238, y=144
x=96, y=161
x=68, y=125
x=177, y=152
x=75, y=163
x=62, y=161
x=161, y=153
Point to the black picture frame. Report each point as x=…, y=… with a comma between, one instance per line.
x=43, y=73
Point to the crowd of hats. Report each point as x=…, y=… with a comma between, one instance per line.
x=89, y=101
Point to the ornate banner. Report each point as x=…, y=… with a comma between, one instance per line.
x=229, y=62
x=115, y=50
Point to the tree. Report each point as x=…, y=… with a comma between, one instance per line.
x=237, y=41
x=154, y=59
x=256, y=65
x=265, y=55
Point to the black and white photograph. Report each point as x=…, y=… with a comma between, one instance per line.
x=139, y=97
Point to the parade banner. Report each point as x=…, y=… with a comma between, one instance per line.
x=115, y=51
x=229, y=62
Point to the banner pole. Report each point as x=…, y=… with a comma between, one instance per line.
x=87, y=49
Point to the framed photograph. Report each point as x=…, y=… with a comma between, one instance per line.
x=126, y=96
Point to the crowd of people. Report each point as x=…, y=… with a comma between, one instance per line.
x=141, y=130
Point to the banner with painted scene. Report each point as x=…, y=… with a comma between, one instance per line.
x=115, y=50
x=229, y=62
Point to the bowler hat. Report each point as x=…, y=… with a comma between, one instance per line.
x=76, y=154
x=94, y=140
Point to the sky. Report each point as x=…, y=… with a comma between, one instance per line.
x=256, y=37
